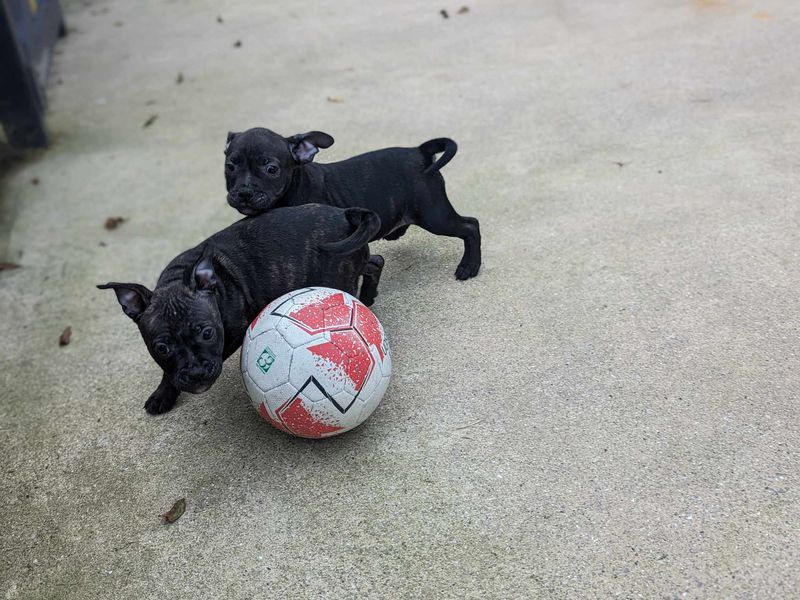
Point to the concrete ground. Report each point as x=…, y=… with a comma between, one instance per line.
x=609, y=410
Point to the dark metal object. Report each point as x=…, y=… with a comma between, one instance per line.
x=28, y=31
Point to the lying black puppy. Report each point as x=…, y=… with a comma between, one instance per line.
x=206, y=297
x=403, y=186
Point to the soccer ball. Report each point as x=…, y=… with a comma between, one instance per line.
x=315, y=362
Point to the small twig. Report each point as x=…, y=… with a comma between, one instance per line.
x=468, y=426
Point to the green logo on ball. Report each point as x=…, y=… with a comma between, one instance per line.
x=266, y=360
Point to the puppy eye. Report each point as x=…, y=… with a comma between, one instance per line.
x=230, y=167
x=162, y=349
x=272, y=169
x=208, y=333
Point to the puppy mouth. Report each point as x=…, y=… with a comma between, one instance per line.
x=199, y=386
x=247, y=210
x=255, y=205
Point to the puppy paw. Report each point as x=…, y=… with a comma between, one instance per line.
x=467, y=270
x=368, y=299
x=160, y=401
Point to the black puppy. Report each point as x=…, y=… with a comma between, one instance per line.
x=205, y=299
x=403, y=186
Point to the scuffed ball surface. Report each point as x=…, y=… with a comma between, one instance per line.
x=315, y=362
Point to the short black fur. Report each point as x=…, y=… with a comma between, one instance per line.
x=206, y=297
x=403, y=186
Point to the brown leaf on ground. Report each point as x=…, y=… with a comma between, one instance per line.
x=335, y=99
x=179, y=79
x=150, y=120
x=8, y=266
x=65, y=336
x=463, y=10
x=237, y=44
x=114, y=222
x=219, y=19
x=444, y=14
x=176, y=512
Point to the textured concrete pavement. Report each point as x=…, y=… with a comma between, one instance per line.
x=609, y=410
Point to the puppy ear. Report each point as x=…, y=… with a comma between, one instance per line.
x=132, y=297
x=204, y=279
x=305, y=145
x=231, y=135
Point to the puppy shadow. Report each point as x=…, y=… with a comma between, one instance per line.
x=411, y=263
x=237, y=435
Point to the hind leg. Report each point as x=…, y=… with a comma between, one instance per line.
x=440, y=218
x=371, y=276
x=471, y=261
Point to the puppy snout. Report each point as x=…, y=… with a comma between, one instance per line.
x=244, y=195
x=198, y=377
x=195, y=374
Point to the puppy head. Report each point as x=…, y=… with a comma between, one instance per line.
x=259, y=165
x=181, y=326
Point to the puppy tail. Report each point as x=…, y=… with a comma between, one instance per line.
x=367, y=224
x=432, y=147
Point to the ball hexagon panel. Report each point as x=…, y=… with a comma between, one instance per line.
x=255, y=393
x=344, y=355
x=293, y=335
x=344, y=399
x=277, y=397
x=299, y=418
x=268, y=359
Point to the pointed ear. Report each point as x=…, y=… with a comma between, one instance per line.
x=231, y=135
x=305, y=145
x=204, y=279
x=132, y=297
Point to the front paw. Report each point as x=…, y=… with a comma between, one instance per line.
x=368, y=299
x=160, y=401
x=467, y=270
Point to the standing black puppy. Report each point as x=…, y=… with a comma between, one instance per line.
x=402, y=186
x=206, y=297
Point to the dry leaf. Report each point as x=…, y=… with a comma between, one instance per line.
x=8, y=266
x=63, y=340
x=176, y=512
x=179, y=79
x=335, y=99
x=463, y=10
x=444, y=14
x=150, y=120
x=237, y=44
x=114, y=222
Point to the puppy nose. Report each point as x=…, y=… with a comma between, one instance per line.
x=245, y=195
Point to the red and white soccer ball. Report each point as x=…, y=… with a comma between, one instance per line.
x=315, y=362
